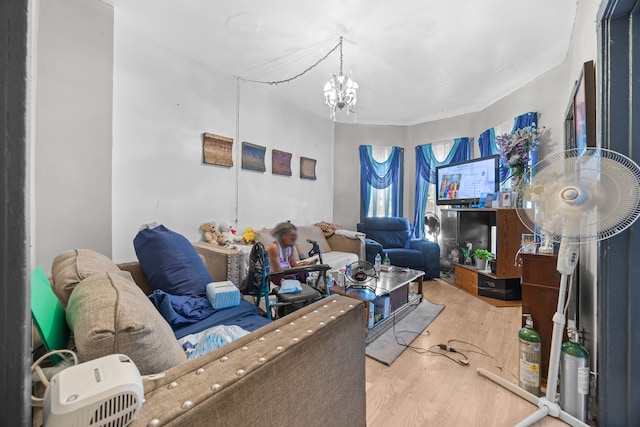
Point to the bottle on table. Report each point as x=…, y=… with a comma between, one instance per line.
x=386, y=261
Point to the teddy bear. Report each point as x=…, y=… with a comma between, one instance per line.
x=228, y=234
x=211, y=234
x=248, y=236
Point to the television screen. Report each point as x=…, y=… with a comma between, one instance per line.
x=463, y=183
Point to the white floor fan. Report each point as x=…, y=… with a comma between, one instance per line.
x=580, y=195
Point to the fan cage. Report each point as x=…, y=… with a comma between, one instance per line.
x=361, y=275
x=610, y=181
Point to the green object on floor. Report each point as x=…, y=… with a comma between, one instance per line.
x=48, y=314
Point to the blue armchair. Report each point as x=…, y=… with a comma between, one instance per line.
x=392, y=235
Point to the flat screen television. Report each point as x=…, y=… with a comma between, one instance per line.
x=463, y=183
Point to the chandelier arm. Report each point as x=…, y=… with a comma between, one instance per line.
x=339, y=45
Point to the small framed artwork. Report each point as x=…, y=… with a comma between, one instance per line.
x=486, y=200
x=307, y=168
x=506, y=200
x=580, y=119
x=253, y=157
x=217, y=150
x=280, y=163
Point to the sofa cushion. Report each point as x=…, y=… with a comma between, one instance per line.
x=263, y=236
x=311, y=233
x=70, y=268
x=170, y=261
x=108, y=314
x=338, y=260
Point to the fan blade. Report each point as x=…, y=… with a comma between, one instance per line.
x=583, y=195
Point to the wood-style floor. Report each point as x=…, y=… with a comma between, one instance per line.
x=424, y=389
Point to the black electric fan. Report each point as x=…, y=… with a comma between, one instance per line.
x=361, y=280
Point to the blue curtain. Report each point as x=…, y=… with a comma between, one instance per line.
x=379, y=175
x=487, y=143
x=426, y=164
x=488, y=146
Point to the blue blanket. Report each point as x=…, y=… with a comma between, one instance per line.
x=181, y=310
x=245, y=315
x=192, y=314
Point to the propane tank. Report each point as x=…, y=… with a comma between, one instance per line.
x=530, y=357
x=574, y=377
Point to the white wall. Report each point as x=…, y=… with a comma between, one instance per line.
x=548, y=95
x=346, y=189
x=72, y=154
x=163, y=102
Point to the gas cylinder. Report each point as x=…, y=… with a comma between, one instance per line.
x=530, y=357
x=574, y=377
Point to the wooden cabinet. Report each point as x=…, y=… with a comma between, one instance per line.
x=481, y=227
x=540, y=285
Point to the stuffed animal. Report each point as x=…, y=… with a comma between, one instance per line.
x=211, y=234
x=248, y=236
x=228, y=234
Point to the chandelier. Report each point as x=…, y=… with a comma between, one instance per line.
x=340, y=91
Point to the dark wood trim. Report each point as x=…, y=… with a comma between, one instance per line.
x=15, y=324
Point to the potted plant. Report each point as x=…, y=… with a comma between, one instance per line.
x=482, y=256
x=466, y=255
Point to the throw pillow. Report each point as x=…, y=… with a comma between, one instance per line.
x=170, y=262
x=263, y=236
x=311, y=233
x=70, y=268
x=108, y=314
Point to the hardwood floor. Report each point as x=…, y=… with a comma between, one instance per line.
x=424, y=389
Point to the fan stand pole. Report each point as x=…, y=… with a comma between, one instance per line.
x=548, y=404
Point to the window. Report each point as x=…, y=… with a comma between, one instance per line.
x=441, y=151
x=380, y=203
x=381, y=171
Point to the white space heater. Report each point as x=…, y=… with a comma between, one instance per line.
x=104, y=392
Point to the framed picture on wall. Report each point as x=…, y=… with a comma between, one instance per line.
x=253, y=157
x=217, y=150
x=307, y=168
x=280, y=163
x=580, y=119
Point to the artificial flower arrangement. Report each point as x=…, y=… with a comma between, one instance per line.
x=515, y=149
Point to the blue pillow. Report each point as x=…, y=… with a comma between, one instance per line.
x=170, y=262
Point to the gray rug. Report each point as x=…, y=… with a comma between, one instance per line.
x=386, y=349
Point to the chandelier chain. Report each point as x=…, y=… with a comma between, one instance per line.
x=339, y=45
x=340, y=55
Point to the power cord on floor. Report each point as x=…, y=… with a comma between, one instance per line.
x=464, y=361
x=445, y=349
x=401, y=341
x=478, y=350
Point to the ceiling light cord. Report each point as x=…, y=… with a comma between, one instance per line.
x=339, y=45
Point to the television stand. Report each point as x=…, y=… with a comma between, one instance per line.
x=475, y=225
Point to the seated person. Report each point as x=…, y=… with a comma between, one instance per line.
x=281, y=254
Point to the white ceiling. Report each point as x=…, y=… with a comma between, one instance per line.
x=414, y=60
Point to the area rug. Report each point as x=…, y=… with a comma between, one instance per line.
x=386, y=348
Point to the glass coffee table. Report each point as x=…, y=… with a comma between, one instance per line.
x=394, y=282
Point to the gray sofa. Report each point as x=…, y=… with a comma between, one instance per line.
x=307, y=368
x=231, y=263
